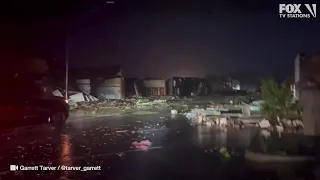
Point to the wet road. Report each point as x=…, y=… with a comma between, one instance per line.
x=178, y=151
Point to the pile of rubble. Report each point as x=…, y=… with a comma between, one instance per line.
x=94, y=107
x=221, y=117
x=147, y=102
x=107, y=103
x=281, y=126
x=114, y=106
x=210, y=117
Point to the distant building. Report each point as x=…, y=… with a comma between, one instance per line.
x=104, y=82
x=249, y=87
x=155, y=87
x=233, y=84
x=218, y=84
x=186, y=86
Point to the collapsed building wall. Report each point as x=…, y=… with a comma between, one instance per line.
x=187, y=86
x=104, y=82
x=111, y=88
x=155, y=87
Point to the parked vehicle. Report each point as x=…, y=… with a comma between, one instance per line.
x=17, y=111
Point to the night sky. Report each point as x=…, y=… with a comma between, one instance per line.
x=162, y=38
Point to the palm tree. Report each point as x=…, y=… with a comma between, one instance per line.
x=277, y=100
x=295, y=111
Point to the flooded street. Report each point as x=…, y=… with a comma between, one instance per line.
x=178, y=150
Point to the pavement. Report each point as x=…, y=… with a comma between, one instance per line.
x=103, y=145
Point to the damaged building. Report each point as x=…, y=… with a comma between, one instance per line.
x=180, y=86
x=154, y=87
x=146, y=87
x=103, y=82
x=224, y=84
x=233, y=84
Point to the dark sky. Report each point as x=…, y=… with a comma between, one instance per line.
x=163, y=38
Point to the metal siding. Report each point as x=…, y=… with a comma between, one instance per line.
x=115, y=82
x=154, y=83
x=109, y=92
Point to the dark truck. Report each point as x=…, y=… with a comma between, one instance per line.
x=19, y=111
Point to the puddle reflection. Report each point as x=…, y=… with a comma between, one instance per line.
x=66, y=153
x=207, y=136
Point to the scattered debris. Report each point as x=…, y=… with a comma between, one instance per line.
x=123, y=131
x=279, y=128
x=293, y=123
x=214, y=117
x=222, y=121
x=284, y=125
x=82, y=97
x=115, y=107
x=224, y=152
x=121, y=154
x=173, y=111
x=143, y=145
x=142, y=100
x=265, y=133
x=264, y=124
x=57, y=93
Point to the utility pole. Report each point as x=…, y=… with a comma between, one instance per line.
x=67, y=62
x=69, y=21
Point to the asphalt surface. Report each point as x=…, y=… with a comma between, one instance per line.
x=178, y=150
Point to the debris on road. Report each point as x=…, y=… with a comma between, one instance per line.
x=142, y=100
x=264, y=124
x=178, y=105
x=173, y=111
x=265, y=133
x=143, y=145
x=225, y=154
x=282, y=126
x=117, y=107
x=82, y=97
x=214, y=117
x=57, y=93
